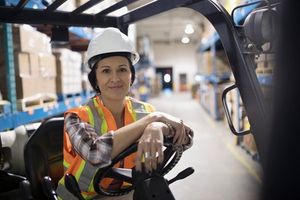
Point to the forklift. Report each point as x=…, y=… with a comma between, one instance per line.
x=241, y=43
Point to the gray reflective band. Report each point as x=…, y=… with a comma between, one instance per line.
x=97, y=120
x=140, y=115
x=87, y=176
x=64, y=194
x=139, y=109
x=89, y=170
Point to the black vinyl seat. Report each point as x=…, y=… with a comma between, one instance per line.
x=43, y=155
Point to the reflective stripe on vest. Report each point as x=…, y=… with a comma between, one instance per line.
x=86, y=172
x=64, y=194
x=138, y=109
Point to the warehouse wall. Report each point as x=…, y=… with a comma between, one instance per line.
x=181, y=57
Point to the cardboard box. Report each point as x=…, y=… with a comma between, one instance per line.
x=210, y=63
x=28, y=86
x=67, y=62
x=69, y=76
x=211, y=99
x=47, y=65
x=27, y=39
x=26, y=65
x=49, y=85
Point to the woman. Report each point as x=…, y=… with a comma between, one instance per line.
x=111, y=121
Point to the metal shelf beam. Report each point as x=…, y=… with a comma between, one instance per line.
x=13, y=120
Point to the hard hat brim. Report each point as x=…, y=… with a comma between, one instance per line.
x=134, y=58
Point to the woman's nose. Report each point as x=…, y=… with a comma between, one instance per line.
x=115, y=77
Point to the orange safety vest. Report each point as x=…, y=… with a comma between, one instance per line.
x=96, y=114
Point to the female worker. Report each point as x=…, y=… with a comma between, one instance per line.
x=110, y=122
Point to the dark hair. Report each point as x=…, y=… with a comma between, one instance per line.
x=94, y=60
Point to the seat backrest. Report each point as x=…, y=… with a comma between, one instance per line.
x=43, y=155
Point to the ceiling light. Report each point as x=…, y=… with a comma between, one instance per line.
x=189, y=29
x=204, y=40
x=185, y=40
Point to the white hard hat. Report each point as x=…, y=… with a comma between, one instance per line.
x=111, y=40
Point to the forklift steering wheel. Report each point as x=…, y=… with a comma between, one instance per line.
x=171, y=158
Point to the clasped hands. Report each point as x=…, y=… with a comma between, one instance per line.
x=150, y=145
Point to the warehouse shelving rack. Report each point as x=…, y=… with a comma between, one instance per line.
x=15, y=119
x=233, y=42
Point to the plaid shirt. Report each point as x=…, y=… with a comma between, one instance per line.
x=87, y=143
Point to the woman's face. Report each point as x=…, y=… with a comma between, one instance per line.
x=113, y=77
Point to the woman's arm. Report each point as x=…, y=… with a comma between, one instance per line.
x=129, y=134
x=101, y=149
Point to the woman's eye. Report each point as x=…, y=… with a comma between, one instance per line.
x=123, y=70
x=105, y=71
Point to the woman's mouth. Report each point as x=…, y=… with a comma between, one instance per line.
x=115, y=87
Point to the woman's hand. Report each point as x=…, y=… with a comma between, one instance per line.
x=180, y=131
x=150, y=147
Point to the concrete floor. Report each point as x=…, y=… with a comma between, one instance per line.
x=223, y=171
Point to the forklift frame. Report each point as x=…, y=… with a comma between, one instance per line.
x=233, y=41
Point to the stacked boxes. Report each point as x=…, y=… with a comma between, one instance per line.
x=47, y=64
x=213, y=63
x=211, y=99
x=205, y=63
x=35, y=67
x=27, y=39
x=69, y=78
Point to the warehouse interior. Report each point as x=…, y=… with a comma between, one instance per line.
x=183, y=70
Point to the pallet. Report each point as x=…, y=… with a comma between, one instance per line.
x=65, y=96
x=36, y=101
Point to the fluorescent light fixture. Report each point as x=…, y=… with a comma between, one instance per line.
x=189, y=29
x=185, y=40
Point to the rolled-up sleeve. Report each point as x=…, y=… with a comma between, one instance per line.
x=91, y=147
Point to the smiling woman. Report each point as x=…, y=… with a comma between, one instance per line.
x=113, y=77
x=110, y=122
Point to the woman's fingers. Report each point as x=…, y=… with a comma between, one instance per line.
x=160, y=158
x=177, y=133
x=177, y=142
x=139, y=156
x=150, y=151
x=153, y=154
x=157, y=153
x=147, y=155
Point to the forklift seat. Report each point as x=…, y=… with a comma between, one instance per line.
x=43, y=155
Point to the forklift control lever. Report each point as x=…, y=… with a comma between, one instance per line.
x=183, y=174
